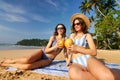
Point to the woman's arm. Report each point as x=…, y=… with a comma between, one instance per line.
x=48, y=47
x=68, y=56
x=68, y=59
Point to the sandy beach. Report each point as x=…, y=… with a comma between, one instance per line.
x=110, y=56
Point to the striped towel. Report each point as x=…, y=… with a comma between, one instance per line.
x=59, y=68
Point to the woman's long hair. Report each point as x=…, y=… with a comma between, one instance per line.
x=56, y=33
x=83, y=25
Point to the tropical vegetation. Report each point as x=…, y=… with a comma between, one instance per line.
x=105, y=17
x=33, y=42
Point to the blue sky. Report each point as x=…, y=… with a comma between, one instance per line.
x=27, y=19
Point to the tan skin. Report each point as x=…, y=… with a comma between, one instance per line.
x=95, y=70
x=35, y=60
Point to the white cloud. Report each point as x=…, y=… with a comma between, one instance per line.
x=13, y=17
x=11, y=8
x=40, y=18
x=5, y=28
x=52, y=3
x=12, y=13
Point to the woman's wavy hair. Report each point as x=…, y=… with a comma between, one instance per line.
x=56, y=33
x=81, y=21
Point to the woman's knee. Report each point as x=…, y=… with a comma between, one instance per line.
x=73, y=73
x=26, y=60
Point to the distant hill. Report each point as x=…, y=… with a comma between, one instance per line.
x=33, y=42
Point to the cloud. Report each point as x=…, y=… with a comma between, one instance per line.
x=9, y=30
x=12, y=13
x=40, y=18
x=11, y=8
x=6, y=28
x=52, y=3
x=13, y=17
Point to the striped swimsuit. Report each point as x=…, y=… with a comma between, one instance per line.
x=82, y=59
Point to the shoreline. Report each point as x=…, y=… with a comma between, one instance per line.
x=18, y=47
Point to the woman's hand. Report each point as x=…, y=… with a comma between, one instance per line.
x=56, y=46
x=60, y=44
x=75, y=48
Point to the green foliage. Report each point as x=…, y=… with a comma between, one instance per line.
x=106, y=20
x=107, y=31
x=100, y=7
x=33, y=42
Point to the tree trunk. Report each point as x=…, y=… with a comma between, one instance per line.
x=100, y=11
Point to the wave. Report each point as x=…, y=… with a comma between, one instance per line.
x=12, y=47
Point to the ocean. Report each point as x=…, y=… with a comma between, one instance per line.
x=15, y=47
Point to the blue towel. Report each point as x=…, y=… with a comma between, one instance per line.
x=112, y=65
x=59, y=68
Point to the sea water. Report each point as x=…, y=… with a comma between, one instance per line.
x=14, y=47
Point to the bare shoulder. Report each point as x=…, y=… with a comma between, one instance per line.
x=52, y=37
x=88, y=35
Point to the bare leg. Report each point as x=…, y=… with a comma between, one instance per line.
x=100, y=71
x=77, y=72
x=29, y=59
x=37, y=64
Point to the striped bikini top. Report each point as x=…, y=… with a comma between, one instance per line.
x=80, y=41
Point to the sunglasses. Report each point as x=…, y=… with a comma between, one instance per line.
x=60, y=28
x=77, y=24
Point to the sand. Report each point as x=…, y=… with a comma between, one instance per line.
x=110, y=56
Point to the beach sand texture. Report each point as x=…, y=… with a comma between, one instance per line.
x=110, y=56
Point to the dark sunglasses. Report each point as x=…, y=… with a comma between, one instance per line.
x=59, y=28
x=77, y=24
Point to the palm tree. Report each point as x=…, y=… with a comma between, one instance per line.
x=117, y=2
x=99, y=6
x=85, y=7
x=109, y=6
x=88, y=5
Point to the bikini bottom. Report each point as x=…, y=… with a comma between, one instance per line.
x=82, y=60
x=44, y=56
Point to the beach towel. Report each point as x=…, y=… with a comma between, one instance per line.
x=59, y=68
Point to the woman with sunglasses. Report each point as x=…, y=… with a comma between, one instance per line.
x=41, y=58
x=84, y=66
